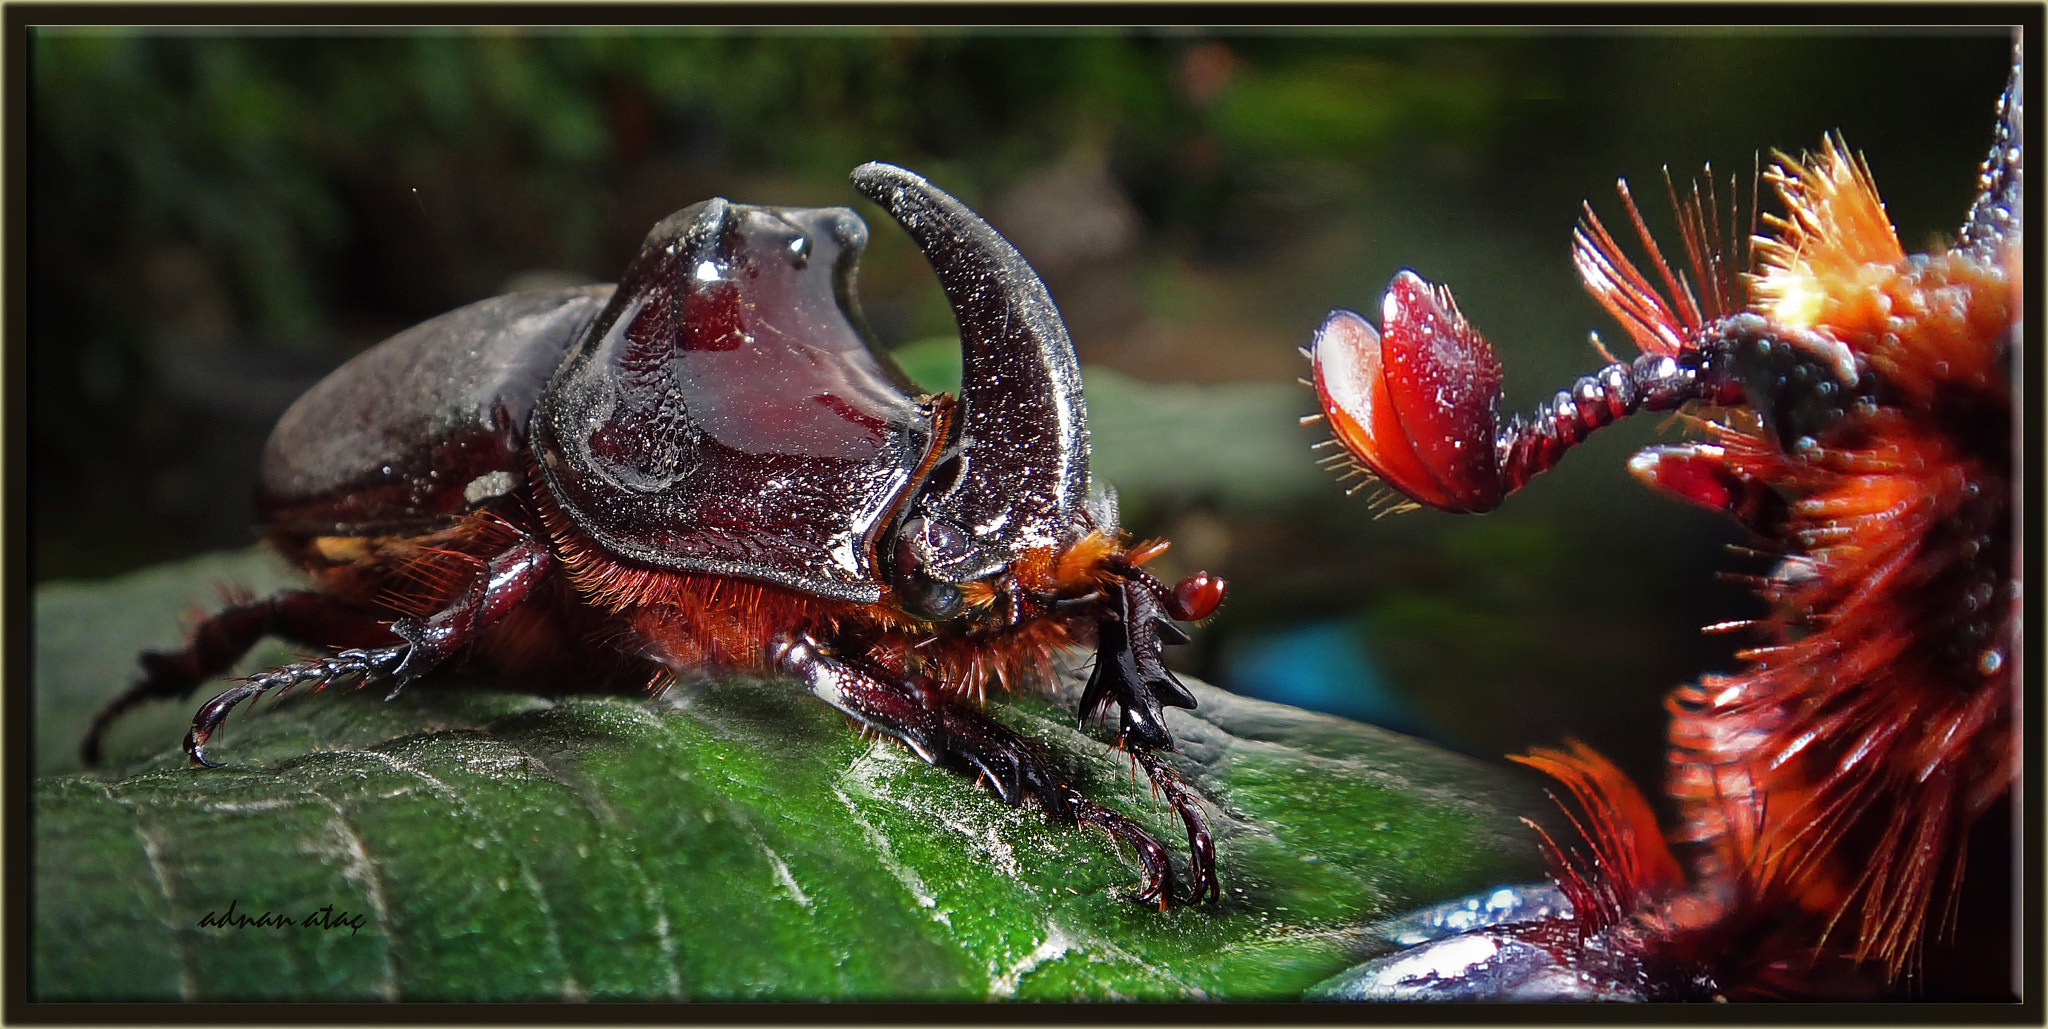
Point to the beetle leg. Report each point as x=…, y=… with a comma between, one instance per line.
x=221, y=640
x=937, y=728
x=361, y=664
x=505, y=581
x=1130, y=638
x=1201, y=849
x=1157, y=886
x=924, y=721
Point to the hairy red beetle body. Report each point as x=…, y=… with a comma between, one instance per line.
x=1856, y=414
x=710, y=467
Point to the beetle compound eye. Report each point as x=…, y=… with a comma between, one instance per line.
x=1195, y=597
x=928, y=598
x=924, y=544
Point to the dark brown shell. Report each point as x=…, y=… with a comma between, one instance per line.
x=424, y=425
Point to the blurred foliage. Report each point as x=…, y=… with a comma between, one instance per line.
x=217, y=218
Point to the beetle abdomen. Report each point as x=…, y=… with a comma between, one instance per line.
x=424, y=425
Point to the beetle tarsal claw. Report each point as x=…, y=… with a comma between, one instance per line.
x=365, y=666
x=1158, y=881
x=1201, y=847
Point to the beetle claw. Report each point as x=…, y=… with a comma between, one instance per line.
x=1201, y=847
x=365, y=665
x=1157, y=883
x=1006, y=761
x=209, y=718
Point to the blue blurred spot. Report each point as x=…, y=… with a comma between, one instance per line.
x=1322, y=667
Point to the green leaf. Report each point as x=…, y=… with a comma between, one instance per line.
x=734, y=840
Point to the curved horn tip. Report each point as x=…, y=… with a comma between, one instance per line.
x=882, y=169
x=1021, y=410
x=876, y=177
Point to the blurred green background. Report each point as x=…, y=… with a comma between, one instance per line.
x=217, y=219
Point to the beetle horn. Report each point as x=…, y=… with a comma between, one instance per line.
x=1996, y=215
x=1023, y=455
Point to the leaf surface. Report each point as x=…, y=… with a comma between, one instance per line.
x=732, y=841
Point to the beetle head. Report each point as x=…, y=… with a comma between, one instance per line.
x=1016, y=480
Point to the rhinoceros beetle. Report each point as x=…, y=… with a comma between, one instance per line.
x=1852, y=407
x=710, y=466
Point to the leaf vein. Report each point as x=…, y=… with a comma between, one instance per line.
x=570, y=989
x=896, y=868
x=362, y=870
x=446, y=791
x=188, y=983
x=593, y=801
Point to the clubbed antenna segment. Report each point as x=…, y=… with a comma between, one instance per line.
x=1414, y=404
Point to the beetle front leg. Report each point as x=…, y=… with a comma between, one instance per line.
x=1131, y=672
x=1129, y=667
x=936, y=727
x=1201, y=848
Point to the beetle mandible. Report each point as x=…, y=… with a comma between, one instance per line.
x=710, y=466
